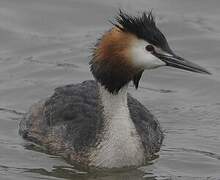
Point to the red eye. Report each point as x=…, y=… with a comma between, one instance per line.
x=149, y=48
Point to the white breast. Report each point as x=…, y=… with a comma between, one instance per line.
x=120, y=145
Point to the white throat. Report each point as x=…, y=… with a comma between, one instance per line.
x=121, y=144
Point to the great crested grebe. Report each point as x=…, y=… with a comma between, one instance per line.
x=97, y=123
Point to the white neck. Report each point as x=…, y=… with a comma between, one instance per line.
x=114, y=103
x=121, y=145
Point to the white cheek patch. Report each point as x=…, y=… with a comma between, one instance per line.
x=142, y=57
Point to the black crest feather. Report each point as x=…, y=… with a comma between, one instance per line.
x=143, y=26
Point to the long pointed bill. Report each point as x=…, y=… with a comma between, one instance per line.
x=178, y=62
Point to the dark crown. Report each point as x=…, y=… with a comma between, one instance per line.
x=143, y=26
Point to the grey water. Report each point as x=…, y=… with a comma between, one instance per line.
x=47, y=43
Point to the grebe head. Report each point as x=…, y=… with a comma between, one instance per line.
x=134, y=44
